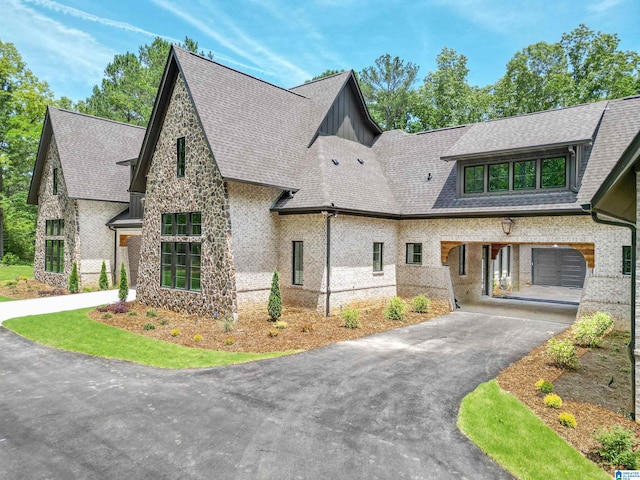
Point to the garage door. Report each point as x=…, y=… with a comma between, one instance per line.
x=561, y=267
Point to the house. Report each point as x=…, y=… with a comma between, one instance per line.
x=241, y=177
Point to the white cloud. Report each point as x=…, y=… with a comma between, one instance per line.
x=603, y=6
x=494, y=15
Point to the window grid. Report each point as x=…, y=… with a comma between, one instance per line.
x=414, y=254
x=180, y=265
x=298, y=257
x=55, y=181
x=184, y=224
x=626, y=260
x=377, y=256
x=181, y=157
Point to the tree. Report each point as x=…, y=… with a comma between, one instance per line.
x=275, y=299
x=103, y=283
x=23, y=102
x=327, y=73
x=388, y=90
x=128, y=90
x=446, y=98
x=73, y=279
x=123, y=289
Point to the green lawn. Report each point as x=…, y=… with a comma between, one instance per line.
x=5, y=299
x=76, y=332
x=518, y=440
x=11, y=272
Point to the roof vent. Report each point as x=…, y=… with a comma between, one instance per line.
x=429, y=177
x=335, y=162
x=360, y=161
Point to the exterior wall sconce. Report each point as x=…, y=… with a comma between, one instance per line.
x=507, y=225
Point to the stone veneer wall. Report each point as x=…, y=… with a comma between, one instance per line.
x=96, y=239
x=255, y=241
x=202, y=189
x=53, y=207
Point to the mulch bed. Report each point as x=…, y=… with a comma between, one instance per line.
x=28, y=288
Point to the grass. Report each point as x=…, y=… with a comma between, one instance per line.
x=11, y=272
x=74, y=331
x=5, y=299
x=492, y=419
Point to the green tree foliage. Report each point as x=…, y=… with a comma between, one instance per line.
x=327, y=73
x=129, y=87
x=446, y=98
x=103, y=283
x=23, y=102
x=388, y=90
x=74, y=286
x=274, y=307
x=123, y=289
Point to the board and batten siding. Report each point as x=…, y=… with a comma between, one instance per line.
x=346, y=119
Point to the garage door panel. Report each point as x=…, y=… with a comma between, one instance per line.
x=558, y=267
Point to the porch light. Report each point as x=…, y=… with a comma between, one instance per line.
x=507, y=225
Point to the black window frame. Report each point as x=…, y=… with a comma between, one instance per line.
x=627, y=265
x=169, y=225
x=55, y=181
x=181, y=156
x=462, y=259
x=172, y=268
x=297, y=262
x=54, y=256
x=413, y=254
x=378, y=263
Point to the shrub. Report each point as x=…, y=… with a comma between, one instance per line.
x=123, y=289
x=197, y=337
x=164, y=321
x=617, y=446
x=149, y=326
x=281, y=325
x=351, y=317
x=10, y=259
x=73, y=279
x=103, y=283
x=306, y=328
x=273, y=332
x=591, y=329
x=227, y=325
x=396, y=309
x=151, y=314
x=552, y=400
x=568, y=420
x=545, y=386
x=563, y=353
x=421, y=304
x=106, y=315
x=275, y=299
x=175, y=332
x=229, y=341
x=133, y=314
x=118, y=307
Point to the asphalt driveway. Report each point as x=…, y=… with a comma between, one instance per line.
x=377, y=408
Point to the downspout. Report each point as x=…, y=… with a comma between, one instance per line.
x=327, y=308
x=115, y=253
x=632, y=342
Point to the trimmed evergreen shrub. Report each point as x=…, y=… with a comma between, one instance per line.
x=563, y=353
x=552, y=400
x=351, y=317
x=590, y=330
x=421, y=304
x=545, y=386
x=275, y=299
x=73, y=279
x=123, y=290
x=103, y=283
x=568, y=420
x=396, y=309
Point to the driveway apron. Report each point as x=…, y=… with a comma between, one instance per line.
x=381, y=407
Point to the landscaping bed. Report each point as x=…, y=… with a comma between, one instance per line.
x=23, y=288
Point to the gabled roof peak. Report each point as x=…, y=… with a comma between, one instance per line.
x=343, y=72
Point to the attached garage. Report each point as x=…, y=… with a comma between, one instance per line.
x=561, y=267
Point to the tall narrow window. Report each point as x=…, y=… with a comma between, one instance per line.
x=182, y=158
x=553, y=172
x=499, y=177
x=474, y=179
x=55, y=181
x=524, y=175
x=196, y=224
x=297, y=263
x=180, y=260
x=167, y=224
x=462, y=259
x=180, y=252
x=194, y=267
x=181, y=223
x=626, y=260
x=166, y=265
x=377, y=256
x=414, y=253
x=54, y=247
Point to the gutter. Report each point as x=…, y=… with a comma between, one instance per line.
x=632, y=342
x=115, y=253
x=327, y=307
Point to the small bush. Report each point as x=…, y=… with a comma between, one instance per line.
x=617, y=447
x=545, y=386
x=281, y=325
x=421, y=304
x=118, y=307
x=229, y=341
x=273, y=332
x=106, y=316
x=552, y=401
x=306, y=328
x=151, y=314
x=164, y=321
x=197, y=337
x=396, y=309
x=123, y=289
x=590, y=330
x=274, y=308
x=132, y=314
x=227, y=326
x=568, y=420
x=175, y=332
x=563, y=353
x=103, y=282
x=351, y=317
x=149, y=326
x=73, y=279
x=10, y=259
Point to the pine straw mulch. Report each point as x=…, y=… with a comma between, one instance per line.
x=519, y=379
x=24, y=289
x=305, y=330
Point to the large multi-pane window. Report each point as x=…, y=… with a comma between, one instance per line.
x=515, y=175
x=180, y=260
x=54, y=247
x=181, y=160
x=298, y=255
x=626, y=260
x=377, y=256
x=414, y=253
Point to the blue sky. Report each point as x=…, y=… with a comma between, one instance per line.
x=68, y=43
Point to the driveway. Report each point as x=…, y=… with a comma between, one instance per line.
x=377, y=408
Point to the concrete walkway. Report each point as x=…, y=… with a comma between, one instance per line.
x=63, y=303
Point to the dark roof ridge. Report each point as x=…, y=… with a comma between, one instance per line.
x=177, y=47
x=453, y=127
x=541, y=111
x=321, y=79
x=96, y=117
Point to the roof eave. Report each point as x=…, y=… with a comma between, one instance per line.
x=38, y=166
x=519, y=150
